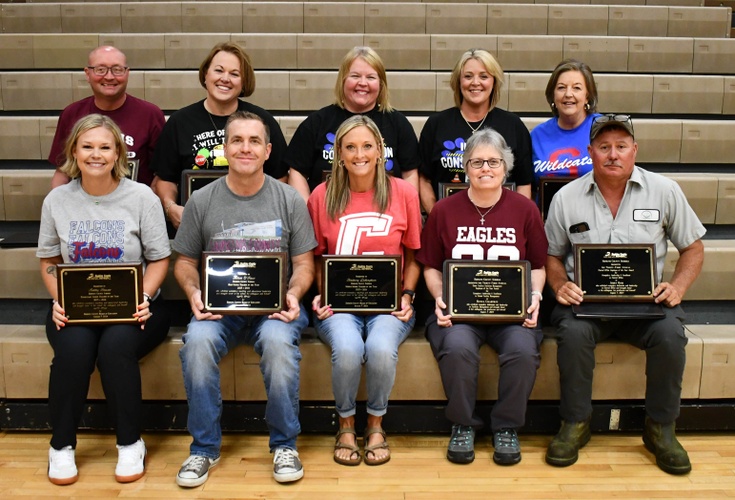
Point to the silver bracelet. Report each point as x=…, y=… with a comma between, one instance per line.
x=147, y=297
x=540, y=295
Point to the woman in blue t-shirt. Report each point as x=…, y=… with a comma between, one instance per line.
x=560, y=144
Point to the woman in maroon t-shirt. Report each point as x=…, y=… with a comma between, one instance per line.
x=485, y=222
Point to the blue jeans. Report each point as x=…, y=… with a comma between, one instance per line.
x=355, y=340
x=277, y=344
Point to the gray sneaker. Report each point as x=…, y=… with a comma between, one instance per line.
x=195, y=471
x=286, y=465
x=461, y=449
x=507, y=447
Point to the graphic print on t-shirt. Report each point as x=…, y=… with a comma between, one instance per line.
x=96, y=241
x=209, y=150
x=472, y=242
x=354, y=227
x=451, y=158
x=564, y=161
x=248, y=237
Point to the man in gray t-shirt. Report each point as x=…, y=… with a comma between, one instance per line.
x=620, y=203
x=242, y=212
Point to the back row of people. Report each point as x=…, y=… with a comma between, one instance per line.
x=192, y=138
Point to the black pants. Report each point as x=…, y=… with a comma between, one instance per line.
x=116, y=350
x=457, y=349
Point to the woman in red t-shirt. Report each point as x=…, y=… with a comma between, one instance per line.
x=362, y=210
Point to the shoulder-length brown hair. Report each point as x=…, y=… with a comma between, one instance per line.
x=589, y=82
x=70, y=167
x=491, y=65
x=373, y=59
x=338, y=187
x=246, y=68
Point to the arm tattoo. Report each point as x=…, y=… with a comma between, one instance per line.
x=51, y=270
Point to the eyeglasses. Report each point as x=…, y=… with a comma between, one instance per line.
x=478, y=163
x=103, y=70
x=612, y=118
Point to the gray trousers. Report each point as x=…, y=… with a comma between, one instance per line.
x=457, y=349
x=663, y=340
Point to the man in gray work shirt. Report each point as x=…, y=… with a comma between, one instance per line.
x=620, y=203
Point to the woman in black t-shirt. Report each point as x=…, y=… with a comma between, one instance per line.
x=476, y=80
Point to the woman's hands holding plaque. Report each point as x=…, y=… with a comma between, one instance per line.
x=533, y=310
x=442, y=319
x=144, y=313
x=58, y=315
x=406, y=309
x=322, y=312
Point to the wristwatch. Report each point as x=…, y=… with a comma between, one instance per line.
x=410, y=293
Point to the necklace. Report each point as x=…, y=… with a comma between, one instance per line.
x=482, y=215
x=474, y=129
x=216, y=128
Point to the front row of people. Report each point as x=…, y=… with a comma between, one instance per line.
x=102, y=217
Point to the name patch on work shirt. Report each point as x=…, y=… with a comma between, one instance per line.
x=646, y=215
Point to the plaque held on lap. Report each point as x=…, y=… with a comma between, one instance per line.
x=487, y=291
x=615, y=273
x=617, y=281
x=244, y=283
x=362, y=284
x=100, y=293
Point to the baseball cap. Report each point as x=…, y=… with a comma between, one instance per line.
x=602, y=122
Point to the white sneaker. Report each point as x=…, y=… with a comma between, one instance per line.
x=61, y=466
x=286, y=465
x=130, y=462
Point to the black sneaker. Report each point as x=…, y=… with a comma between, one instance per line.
x=461, y=449
x=286, y=465
x=507, y=447
x=195, y=471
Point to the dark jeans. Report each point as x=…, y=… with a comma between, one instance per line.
x=663, y=340
x=116, y=350
x=457, y=349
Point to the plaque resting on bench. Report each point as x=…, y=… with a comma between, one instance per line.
x=615, y=273
x=244, y=283
x=100, y=293
x=193, y=179
x=362, y=284
x=486, y=291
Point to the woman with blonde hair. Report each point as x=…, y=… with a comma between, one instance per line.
x=101, y=217
x=361, y=89
x=361, y=193
x=476, y=81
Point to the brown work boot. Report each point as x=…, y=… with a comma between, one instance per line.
x=564, y=448
x=660, y=439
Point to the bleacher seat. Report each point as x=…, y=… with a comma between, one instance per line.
x=660, y=60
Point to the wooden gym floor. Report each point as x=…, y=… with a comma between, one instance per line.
x=611, y=465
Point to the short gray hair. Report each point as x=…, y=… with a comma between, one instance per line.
x=489, y=137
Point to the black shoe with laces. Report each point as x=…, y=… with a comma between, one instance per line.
x=461, y=449
x=507, y=447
